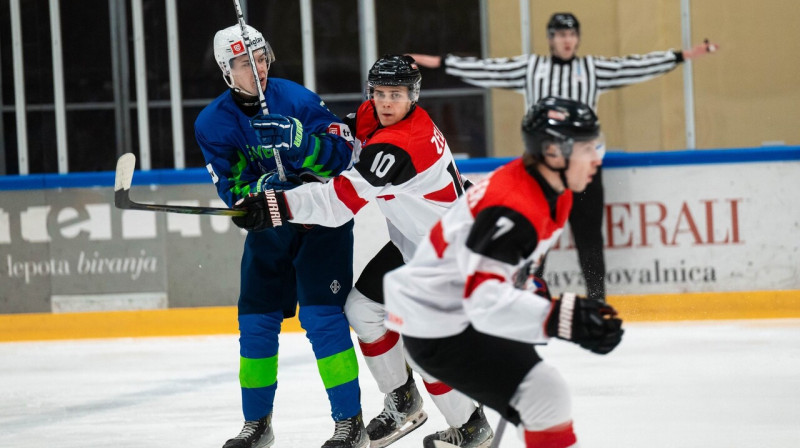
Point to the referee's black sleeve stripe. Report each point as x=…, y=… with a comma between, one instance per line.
x=627, y=71
x=627, y=65
x=631, y=64
x=603, y=75
x=473, y=63
x=530, y=83
x=518, y=73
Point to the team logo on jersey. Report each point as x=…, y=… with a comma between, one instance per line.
x=340, y=129
x=335, y=286
x=237, y=48
x=503, y=226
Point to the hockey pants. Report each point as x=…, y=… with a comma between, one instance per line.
x=506, y=375
x=281, y=269
x=383, y=349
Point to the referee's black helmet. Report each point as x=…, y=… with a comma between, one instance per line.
x=563, y=21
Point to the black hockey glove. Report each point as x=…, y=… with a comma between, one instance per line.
x=590, y=323
x=264, y=210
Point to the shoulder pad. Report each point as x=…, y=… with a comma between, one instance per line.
x=503, y=234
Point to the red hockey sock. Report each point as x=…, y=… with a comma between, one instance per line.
x=560, y=436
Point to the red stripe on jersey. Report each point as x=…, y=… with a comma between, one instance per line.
x=380, y=346
x=387, y=197
x=437, y=239
x=346, y=193
x=437, y=388
x=475, y=280
x=446, y=194
x=561, y=436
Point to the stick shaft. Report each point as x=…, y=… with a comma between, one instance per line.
x=261, y=98
x=498, y=432
x=123, y=201
x=122, y=194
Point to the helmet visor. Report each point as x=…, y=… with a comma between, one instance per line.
x=395, y=92
x=593, y=147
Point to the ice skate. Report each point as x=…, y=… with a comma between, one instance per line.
x=254, y=434
x=349, y=433
x=402, y=413
x=475, y=433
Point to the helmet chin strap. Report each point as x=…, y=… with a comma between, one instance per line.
x=246, y=96
x=242, y=92
x=563, y=175
x=562, y=172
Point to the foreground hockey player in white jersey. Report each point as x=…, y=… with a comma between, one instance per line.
x=466, y=306
x=406, y=167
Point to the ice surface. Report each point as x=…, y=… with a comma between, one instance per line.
x=710, y=385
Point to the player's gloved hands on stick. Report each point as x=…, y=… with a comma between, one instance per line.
x=264, y=210
x=284, y=134
x=590, y=323
x=272, y=181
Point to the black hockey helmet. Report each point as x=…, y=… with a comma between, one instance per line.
x=395, y=70
x=562, y=21
x=558, y=121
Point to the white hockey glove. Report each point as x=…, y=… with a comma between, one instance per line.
x=590, y=323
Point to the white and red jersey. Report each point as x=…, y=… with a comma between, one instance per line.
x=406, y=168
x=463, y=273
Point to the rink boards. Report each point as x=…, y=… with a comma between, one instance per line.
x=690, y=235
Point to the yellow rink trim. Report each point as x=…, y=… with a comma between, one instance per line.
x=222, y=320
x=708, y=306
x=114, y=324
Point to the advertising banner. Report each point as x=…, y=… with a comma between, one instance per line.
x=669, y=229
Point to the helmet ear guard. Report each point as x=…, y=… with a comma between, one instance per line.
x=394, y=70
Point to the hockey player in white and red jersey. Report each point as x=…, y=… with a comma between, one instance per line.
x=469, y=311
x=405, y=166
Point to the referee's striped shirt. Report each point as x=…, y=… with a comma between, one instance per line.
x=581, y=78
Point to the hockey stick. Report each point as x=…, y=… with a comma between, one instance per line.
x=122, y=194
x=261, y=99
x=498, y=433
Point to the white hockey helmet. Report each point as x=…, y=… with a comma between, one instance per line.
x=229, y=44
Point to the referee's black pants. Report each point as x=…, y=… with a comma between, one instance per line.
x=586, y=221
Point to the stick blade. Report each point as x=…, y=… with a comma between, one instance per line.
x=125, y=166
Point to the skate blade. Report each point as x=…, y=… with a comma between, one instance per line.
x=413, y=423
x=441, y=444
x=265, y=441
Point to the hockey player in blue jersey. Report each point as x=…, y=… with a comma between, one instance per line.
x=309, y=267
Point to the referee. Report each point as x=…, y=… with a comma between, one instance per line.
x=580, y=78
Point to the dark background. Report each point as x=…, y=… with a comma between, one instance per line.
x=434, y=27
